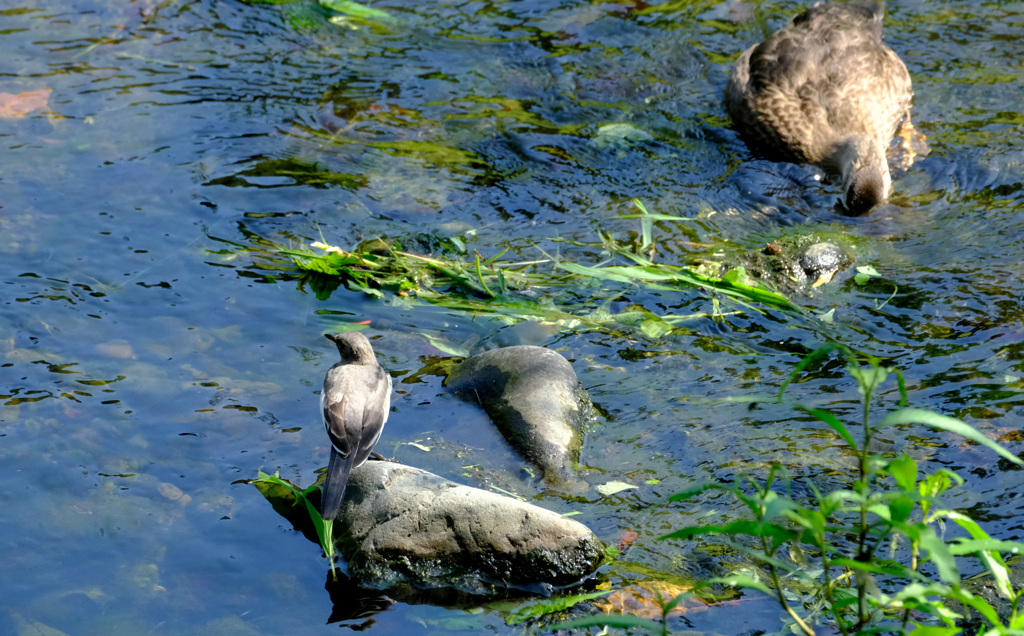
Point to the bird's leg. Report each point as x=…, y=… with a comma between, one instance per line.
x=374, y=455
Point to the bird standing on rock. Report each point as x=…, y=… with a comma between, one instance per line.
x=355, y=403
x=825, y=90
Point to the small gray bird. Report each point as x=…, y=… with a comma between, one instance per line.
x=355, y=403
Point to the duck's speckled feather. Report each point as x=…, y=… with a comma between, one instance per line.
x=827, y=76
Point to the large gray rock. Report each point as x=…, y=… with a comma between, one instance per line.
x=533, y=397
x=402, y=524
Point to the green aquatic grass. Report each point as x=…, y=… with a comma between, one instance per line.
x=529, y=290
x=324, y=528
x=309, y=14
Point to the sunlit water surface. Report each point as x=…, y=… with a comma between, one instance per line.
x=155, y=354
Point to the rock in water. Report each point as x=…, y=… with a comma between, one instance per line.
x=534, y=398
x=400, y=524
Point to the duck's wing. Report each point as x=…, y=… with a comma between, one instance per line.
x=773, y=97
x=867, y=90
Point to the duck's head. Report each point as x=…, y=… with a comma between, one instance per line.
x=860, y=162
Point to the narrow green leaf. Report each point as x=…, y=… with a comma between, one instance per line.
x=655, y=217
x=490, y=261
x=741, y=581
x=324, y=529
x=356, y=10
x=935, y=630
x=900, y=508
x=868, y=377
x=693, y=491
x=988, y=550
x=812, y=520
x=833, y=422
x=443, y=345
x=876, y=567
x=940, y=555
x=921, y=416
x=480, y=277
x=674, y=602
x=807, y=361
x=642, y=273
x=938, y=482
x=736, y=527
x=960, y=546
x=596, y=272
x=778, y=506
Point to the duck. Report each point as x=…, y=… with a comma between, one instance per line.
x=825, y=90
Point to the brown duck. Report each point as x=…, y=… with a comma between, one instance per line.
x=825, y=90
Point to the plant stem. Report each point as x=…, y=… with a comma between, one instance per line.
x=863, y=553
x=777, y=584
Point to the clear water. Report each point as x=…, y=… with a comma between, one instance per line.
x=154, y=354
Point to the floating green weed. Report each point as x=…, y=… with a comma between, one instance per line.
x=306, y=14
x=545, y=607
x=527, y=290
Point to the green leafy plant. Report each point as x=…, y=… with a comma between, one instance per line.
x=872, y=558
x=324, y=528
x=510, y=289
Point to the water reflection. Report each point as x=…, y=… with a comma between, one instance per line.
x=156, y=350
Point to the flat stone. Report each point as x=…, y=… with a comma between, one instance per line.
x=402, y=524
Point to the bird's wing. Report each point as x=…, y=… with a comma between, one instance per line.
x=375, y=413
x=344, y=438
x=773, y=98
x=867, y=87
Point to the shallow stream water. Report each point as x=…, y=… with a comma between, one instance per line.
x=155, y=354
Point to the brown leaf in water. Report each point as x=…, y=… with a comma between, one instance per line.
x=911, y=144
x=642, y=600
x=17, y=106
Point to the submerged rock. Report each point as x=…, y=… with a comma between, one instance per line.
x=533, y=397
x=797, y=264
x=400, y=524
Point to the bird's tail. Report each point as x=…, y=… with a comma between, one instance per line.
x=338, y=471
